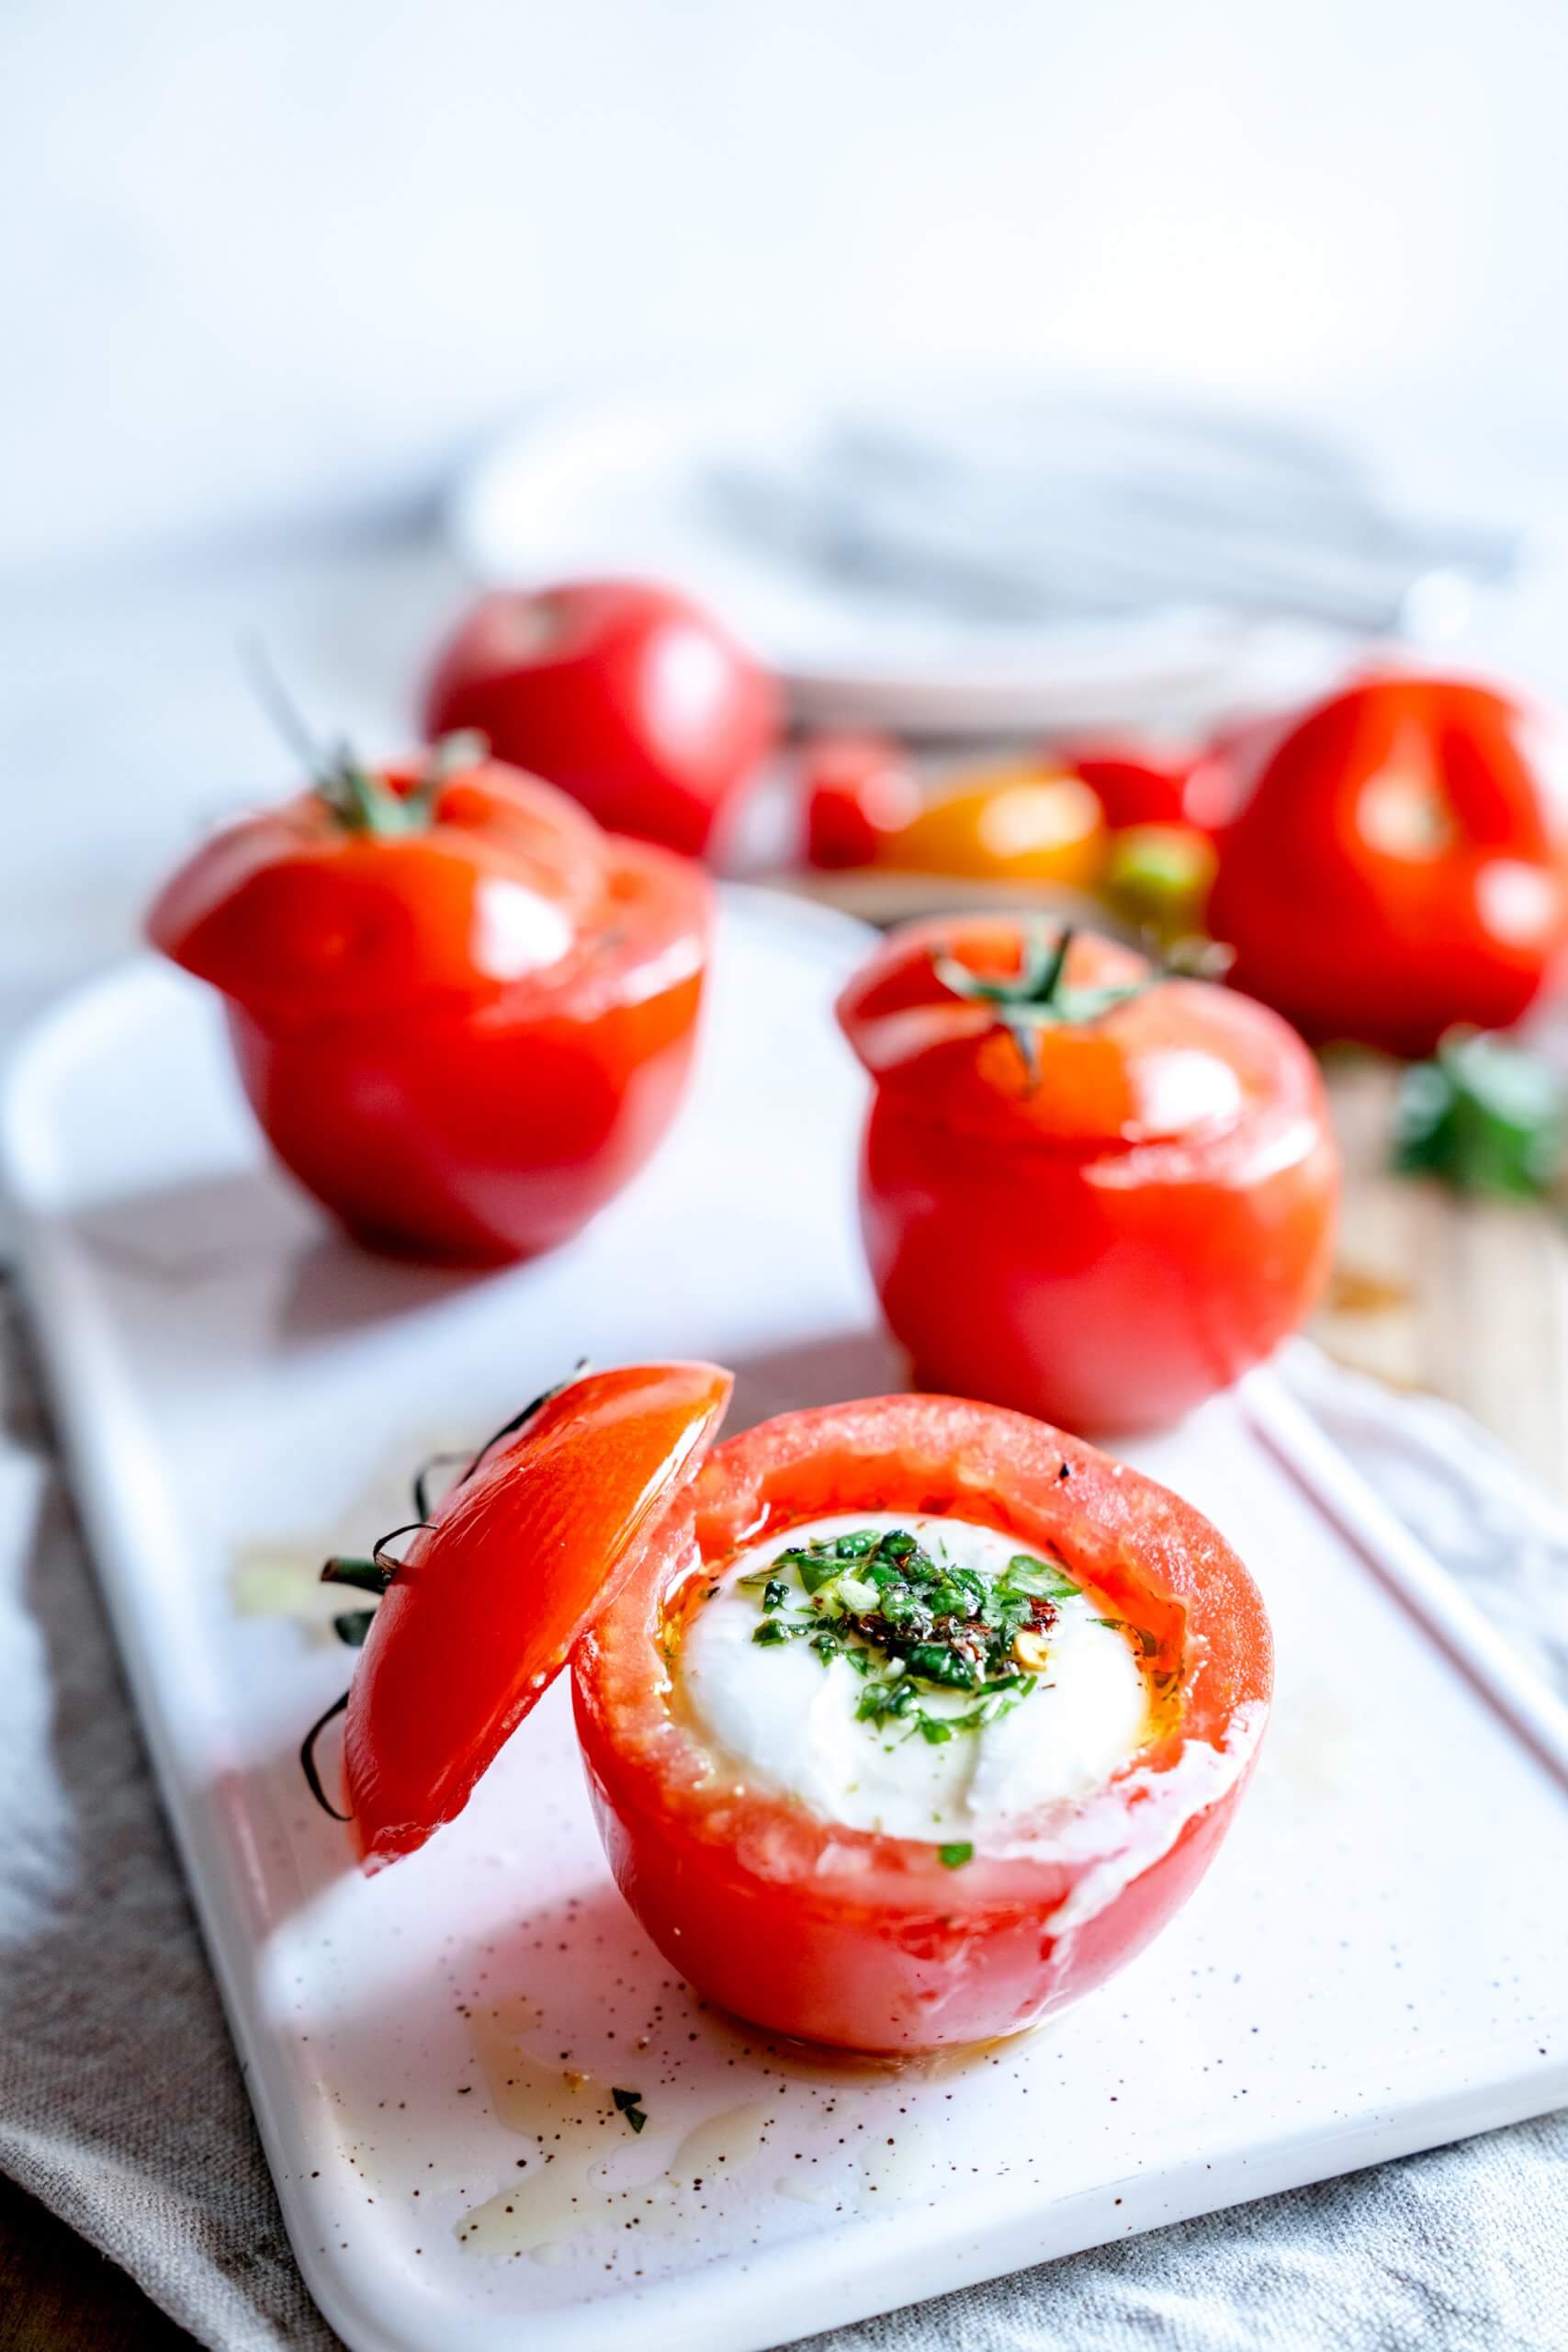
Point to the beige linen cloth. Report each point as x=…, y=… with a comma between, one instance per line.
x=122, y=2108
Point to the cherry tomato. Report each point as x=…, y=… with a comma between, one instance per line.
x=872, y=1942
x=1388, y=868
x=861, y=791
x=1137, y=783
x=1086, y=1191
x=626, y=696
x=1159, y=878
x=1022, y=823
x=463, y=1014
x=492, y=1595
x=1016, y=822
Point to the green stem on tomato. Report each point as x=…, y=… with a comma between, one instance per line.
x=1037, y=997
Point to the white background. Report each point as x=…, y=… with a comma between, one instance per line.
x=268, y=272
x=262, y=260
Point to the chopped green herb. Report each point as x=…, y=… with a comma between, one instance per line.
x=904, y=1620
x=936, y=1663
x=774, y=1630
x=629, y=2104
x=953, y=1857
x=1027, y=1574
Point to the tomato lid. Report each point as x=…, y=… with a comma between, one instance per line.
x=525, y=1552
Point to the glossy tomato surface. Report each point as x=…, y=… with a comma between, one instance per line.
x=859, y=791
x=846, y=1937
x=527, y=1548
x=1026, y=823
x=1100, y=1215
x=1391, y=865
x=463, y=1019
x=626, y=694
x=1137, y=783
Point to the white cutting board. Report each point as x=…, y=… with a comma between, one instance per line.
x=1373, y=1965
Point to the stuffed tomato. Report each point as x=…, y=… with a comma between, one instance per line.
x=1089, y=1190
x=463, y=1014
x=1017, y=1691
x=904, y=1722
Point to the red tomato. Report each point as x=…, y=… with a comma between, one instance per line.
x=859, y=791
x=1086, y=1191
x=1388, y=868
x=626, y=696
x=872, y=1942
x=1138, y=783
x=463, y=1014
x=491, y=1597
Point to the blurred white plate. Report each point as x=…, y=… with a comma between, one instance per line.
x=736, y=497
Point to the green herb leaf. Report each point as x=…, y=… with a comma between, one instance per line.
x=1484, y=1117
x=629, y=2104
x=934, y=1663
x=953, y=1857
x=1026, y=1573
x=774, y=1630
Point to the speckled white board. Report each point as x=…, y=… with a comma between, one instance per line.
x=1374, y=1964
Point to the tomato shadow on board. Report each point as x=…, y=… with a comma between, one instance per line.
x=833, y=1370
x=224, y=1255
x=337, y=1286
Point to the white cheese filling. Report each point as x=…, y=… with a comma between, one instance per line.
x=788, y=1719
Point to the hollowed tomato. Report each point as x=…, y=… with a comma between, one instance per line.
x=878, y=1943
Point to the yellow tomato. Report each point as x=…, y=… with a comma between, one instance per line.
x=1005, y=825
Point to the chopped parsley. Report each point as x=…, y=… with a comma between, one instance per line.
x=953, y=1858
x=911, y=1623
x=629, y=2104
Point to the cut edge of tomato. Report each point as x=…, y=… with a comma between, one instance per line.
x=985, y=1459
x=605, y=1453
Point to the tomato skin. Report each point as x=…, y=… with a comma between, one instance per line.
x=1388, y=867
x=491, y=1597
x=626, y=696
x=436, y=1099
x=474, y=1136
x=868, y=1942
x=1110, y=1246
x=1022, y=824
x=1136, y=784
x=860, y=792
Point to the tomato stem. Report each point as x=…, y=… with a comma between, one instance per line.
x=1036, y=997
x=376, y=1574
x=308, y=1760
x=361, y=799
